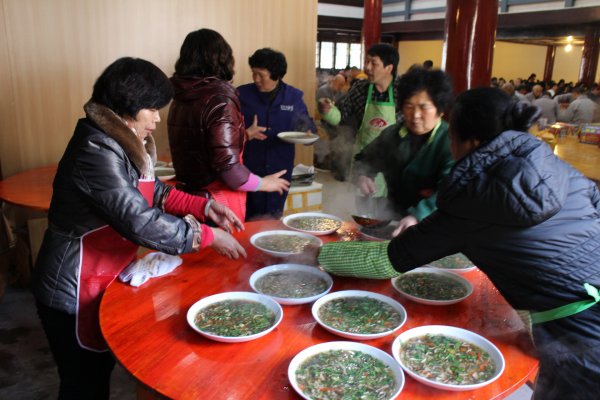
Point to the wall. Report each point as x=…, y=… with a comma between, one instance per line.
x=511, y=60
x=51, y=52
x=418, y=51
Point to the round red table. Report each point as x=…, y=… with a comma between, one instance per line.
x=147, y=331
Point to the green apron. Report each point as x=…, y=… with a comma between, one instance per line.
x=378, y=116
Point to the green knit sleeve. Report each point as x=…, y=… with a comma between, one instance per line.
x=357, y=259
x=333, y=116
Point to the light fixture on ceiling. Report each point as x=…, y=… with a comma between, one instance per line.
x=569, y=39
x=568, y=47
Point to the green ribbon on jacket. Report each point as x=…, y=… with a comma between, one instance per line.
x=568, y=309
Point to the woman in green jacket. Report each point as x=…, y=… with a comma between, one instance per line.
x=413, y=155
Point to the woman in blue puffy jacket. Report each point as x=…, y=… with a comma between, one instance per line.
x=527, y=219
x=277, y=107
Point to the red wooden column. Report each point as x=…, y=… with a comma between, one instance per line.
x=469, y=36
x=589, y=57
x=549, y=65
x=371, y=29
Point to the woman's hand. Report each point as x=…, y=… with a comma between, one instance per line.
x=256, y=132
x=405, y=223
x=224, y=217
x=274, y=183
x=226, y=245
x=366, y=185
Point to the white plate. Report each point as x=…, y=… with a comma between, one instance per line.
x=358, y=293
x=323, y=347
x=434, y=271
x=164, y=173
x=286, y=221
x=298, y=137
x=202, y=303
x=257, y=236
x=457, y=333
x=292, y=267
x=465, y=265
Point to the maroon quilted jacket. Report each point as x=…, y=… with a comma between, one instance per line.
x=206, y=133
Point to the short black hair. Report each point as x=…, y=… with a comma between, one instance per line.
x=485, y=112
x=205, y=53
x=434, y=81
x=387, y=53
x=427, y=64
x=130, y=84
x=271, y=60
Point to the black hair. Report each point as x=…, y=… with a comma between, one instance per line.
x=205, y=53
x=130, y=84
x=387, y=53
x=434, y=81
x=483, y=113
x=427, y=64
x=271, y=60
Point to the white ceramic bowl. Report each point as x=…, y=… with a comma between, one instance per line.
x=461, y=264
x=164, y=173
x=436, y=272
x=292, y=267
x=287, y=219
x=298, y=137
x=354, y=346
x=273, y=253
x=206, y=301
x=457, y=333
x=358, y=293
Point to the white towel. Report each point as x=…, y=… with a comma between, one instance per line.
x=152, y=265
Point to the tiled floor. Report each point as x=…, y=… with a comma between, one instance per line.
x=27, y=371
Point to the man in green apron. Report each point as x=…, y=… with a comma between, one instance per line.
x=367, y=109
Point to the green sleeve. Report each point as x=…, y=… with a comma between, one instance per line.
x=333, y=116
x=357, y=259
x=423, y=207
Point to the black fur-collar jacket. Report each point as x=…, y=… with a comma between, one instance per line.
x=96, y=185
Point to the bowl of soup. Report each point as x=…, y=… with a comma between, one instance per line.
x=291, y=283
x=432, y=286
x=359, y=314
x=454, y=263
x=448, y=358
x=282, y=243
x=314, y=223
x=345, y=370
x=233, y=317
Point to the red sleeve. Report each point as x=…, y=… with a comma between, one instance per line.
x=181, y=203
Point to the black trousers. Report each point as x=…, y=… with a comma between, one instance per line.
x=84, y=374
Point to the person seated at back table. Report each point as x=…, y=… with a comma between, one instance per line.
x=528, y=220
x=106, y=202
x=413, y=155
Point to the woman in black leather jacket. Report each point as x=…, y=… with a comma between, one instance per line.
x=106, y=202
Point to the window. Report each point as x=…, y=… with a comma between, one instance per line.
x=338, y=55
x=326, y=61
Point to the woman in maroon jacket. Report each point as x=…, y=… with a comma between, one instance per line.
x=206, y=127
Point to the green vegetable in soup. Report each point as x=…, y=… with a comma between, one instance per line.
x=431, y=286
x=283, y=243
x=315, y=224
x=234, y=318
x=447, y=360
x=345, y=374
x=455, y=261
x=291, y=284
x=362, y=315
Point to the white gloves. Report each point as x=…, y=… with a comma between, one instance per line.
x=152, y=265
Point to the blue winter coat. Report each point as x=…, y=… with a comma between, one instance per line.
x=531, y=222
x=286, y=112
